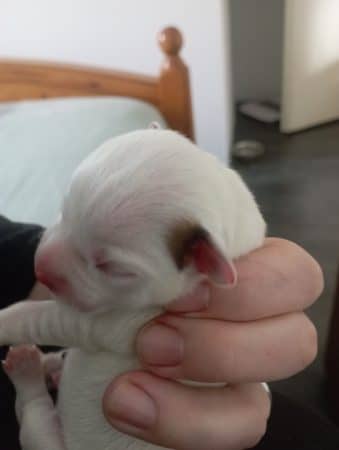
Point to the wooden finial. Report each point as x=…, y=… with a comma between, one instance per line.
x=174, y=86
x=170, y=40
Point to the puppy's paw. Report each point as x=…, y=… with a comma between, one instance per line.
x=52, y=365
x=23, y=365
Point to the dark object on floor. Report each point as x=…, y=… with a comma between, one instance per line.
x=266, y=112
x=294, y=427
x=248, y=150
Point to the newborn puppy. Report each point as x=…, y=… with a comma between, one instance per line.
x=148, y=216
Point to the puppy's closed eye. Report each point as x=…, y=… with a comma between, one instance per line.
x=114, y=269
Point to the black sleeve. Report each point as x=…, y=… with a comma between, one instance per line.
x=18, y=243
x=295, y=426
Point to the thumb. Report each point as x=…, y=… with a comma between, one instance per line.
x=173, y=415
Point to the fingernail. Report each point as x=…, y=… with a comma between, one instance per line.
x=198, y=300
x=130, y=405
x=160, y=345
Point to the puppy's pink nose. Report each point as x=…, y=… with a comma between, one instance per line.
x=48, y=261
x=55, y=284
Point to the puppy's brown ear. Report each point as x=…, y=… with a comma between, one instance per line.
x=192, y=245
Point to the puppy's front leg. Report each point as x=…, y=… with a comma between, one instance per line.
x=45, y=323
x=40, y=427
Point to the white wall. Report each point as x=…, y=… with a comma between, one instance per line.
x=257, y=42
x=121, y=34
x=311, y=63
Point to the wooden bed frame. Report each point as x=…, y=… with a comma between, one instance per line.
x=169, y=92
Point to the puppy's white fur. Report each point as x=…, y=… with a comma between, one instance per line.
x=111, y=246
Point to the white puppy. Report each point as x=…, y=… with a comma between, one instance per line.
x=148, y=216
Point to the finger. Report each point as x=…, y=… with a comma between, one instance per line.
x=236, y=352
x=172, y=415
x=278, y=278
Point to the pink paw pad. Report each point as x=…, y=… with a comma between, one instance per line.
x=23, y=360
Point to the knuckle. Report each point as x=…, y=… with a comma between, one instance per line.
x=319, y=281
x=255, y=431
x=313, y=277
x=259, y=427
x=257, y=406
x=257, y=437
x=309, y=342
x=314, y=284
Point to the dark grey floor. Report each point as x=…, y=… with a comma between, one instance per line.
x=297, y=185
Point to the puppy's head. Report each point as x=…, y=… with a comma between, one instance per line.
x=132, y=232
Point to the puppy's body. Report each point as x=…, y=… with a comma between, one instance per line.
x=147, y=218
x=83, y=422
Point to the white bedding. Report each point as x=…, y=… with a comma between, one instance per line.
x=43, y=141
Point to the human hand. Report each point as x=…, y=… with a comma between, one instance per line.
x=255, y=332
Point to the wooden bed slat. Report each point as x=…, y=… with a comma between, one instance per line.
x=37, y=80
x=169, y=92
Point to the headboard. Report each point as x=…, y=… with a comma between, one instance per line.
x=169, y=91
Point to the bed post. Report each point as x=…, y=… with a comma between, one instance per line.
x=174, y=90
